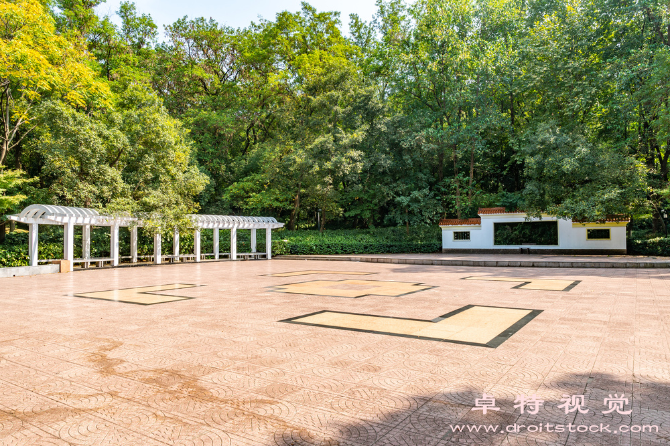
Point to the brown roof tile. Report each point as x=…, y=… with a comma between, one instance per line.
x=460, y=221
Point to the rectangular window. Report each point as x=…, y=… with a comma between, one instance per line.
x=462, y=235
x=526, y=233
x=598, y=234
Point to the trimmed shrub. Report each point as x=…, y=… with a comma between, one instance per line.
x=659, y=246
x=424, y=239
x=17, y=255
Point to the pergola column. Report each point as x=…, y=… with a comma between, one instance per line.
x=216, y=243
x=233, y=244
x=133, y=244
x=68, y=244
x=157, y=249
x=253, y=240
x=196, y=245
x=175, y=245
x=33, y=243
x=268, y=243
x=86, y=244
x=114, y=244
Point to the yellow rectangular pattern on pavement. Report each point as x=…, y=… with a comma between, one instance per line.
x=477, y=325
x=145, y=295
x=305, y=273
x=532, y=283
x=352, y=288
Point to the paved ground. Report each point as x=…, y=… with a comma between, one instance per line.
x=219, y=369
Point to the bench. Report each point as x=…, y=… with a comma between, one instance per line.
x=99, y=261
x=240, y=255
x=173, y=258
x=203, y=256
x=251, y=255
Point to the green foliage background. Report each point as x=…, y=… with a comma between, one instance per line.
x=431, y=110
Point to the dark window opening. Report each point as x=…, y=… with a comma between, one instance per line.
x=526, y=233
x=462, y=235
x=597, y=234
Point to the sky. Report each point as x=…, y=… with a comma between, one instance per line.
x=236, y=13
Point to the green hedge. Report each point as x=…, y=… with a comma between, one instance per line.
x=17, y=255
x=424, y=239
x=326, y=247
x=659, y=246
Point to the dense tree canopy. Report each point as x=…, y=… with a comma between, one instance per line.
x=431, y=110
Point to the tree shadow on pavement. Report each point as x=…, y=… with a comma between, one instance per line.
x=445, y=417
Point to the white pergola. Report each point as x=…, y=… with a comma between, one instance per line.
x=69, y=217
x=233, y=223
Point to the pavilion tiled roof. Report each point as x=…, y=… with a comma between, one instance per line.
x=460, y=221
x=498, y=210
x=607, y=219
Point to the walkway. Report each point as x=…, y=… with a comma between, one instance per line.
x=287, y=353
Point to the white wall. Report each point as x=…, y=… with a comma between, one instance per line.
x=569, y=236
x=576, y=238
x=477, y=238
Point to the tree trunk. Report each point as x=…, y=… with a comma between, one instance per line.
x=2, y=231
x=472, y=173
x=407, y=220
x=440, y=155
x=6, y=122
x=657, y=221
x=511, y=109
x=663, y=160
x=294, y=213
x=650, y=155
x=440, y=166
x=3, y=150
x=458, y=189
x=17, y=157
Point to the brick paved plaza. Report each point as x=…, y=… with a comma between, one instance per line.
x=218, y=364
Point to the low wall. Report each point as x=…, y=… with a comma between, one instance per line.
x=16, y=271
x=530, y=263
x=535, y=250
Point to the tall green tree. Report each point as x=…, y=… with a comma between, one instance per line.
x=36, y=62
